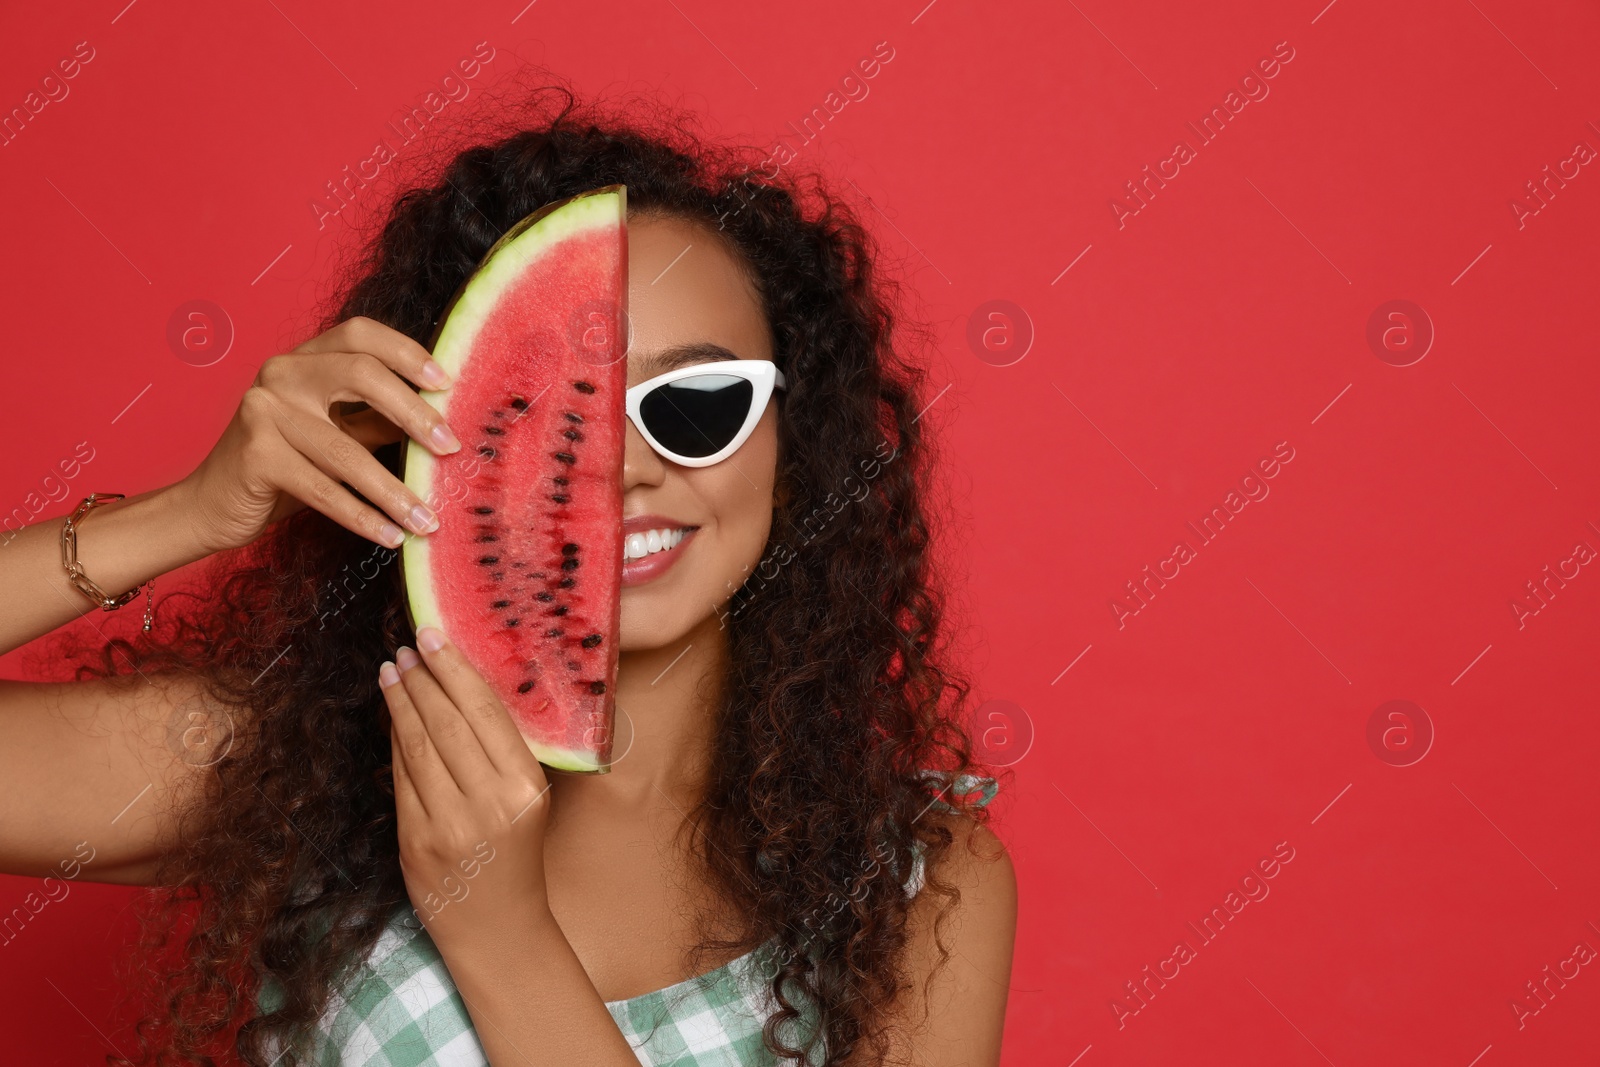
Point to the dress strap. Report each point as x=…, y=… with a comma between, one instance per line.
x=963, y=785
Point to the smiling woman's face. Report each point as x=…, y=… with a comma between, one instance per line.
x=685, y=288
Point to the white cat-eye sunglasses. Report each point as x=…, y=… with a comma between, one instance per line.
x=700, y=415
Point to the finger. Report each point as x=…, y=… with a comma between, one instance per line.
x=490, y=721
x=369, y=428
x=430, y=779
x=361, y=376
x=305, y=481
x=409, y=808
x=340, y=456
x=400, y=353
x=453, y=738
x=339, y=378
x=334, y=454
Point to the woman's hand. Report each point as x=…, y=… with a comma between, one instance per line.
x=471, y=799
x=472, y=803
x=287, y=446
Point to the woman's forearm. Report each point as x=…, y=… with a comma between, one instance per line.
x=531, y=1001
x=76, y=756
x=121, y=545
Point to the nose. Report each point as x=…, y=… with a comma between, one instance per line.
x=640, y=463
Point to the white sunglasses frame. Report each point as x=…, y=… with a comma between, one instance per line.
x=763, y=376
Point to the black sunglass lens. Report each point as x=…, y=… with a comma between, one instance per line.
x=697, y=416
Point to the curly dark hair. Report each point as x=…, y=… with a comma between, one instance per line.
x=837, y=696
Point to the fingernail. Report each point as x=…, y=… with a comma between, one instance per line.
x=387, y=675
x=422, y=520
x=405, y=658
x=434, y=375
x=430, y=638
x=444, y=439
x=392, y=535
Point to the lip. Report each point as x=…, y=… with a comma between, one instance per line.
x=654, y=565
x=643, y=523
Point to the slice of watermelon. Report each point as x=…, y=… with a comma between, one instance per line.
x=525, y=570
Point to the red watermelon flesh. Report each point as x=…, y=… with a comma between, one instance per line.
x=525, y=570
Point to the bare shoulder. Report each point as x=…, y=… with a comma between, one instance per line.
x=981, y=923
x=951, y=1010
x=978, y=860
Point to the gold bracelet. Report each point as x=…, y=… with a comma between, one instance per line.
x=81, y=581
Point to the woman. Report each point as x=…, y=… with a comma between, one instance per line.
x=364, y=862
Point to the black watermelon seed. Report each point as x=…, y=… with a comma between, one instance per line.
x=583, y=387
x=562, y=610
x=570, y=563
x=519, y=403
x=545, y=596
x=524, y=687
x=487, y=537
x=597, y=687
x=483, y=511
x=561, y=498
x=567, y=583
x=569, y=549
x=566, y=457
x=554, y=632
x=559, y=480
x=487, y=560
x=591, y=640
x=501, y=604
x=573, y=435
x=486, y=452
x=573, y=416
x=513, y=622
x=497, y=431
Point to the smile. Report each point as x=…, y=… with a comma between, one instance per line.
x=649, y=542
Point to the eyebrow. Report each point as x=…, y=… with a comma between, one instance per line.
x=684, y=355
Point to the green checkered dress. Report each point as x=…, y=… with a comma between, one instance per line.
x=402, y=1010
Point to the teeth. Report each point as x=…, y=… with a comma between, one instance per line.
x=639, y=545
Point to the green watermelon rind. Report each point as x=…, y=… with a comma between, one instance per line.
x=459, y=324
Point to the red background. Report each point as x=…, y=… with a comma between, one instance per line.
x=1229, y=314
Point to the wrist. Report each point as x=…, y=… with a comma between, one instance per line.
x=185, y=513
x=481, y=942
x=173, y=511
x=123, y=544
